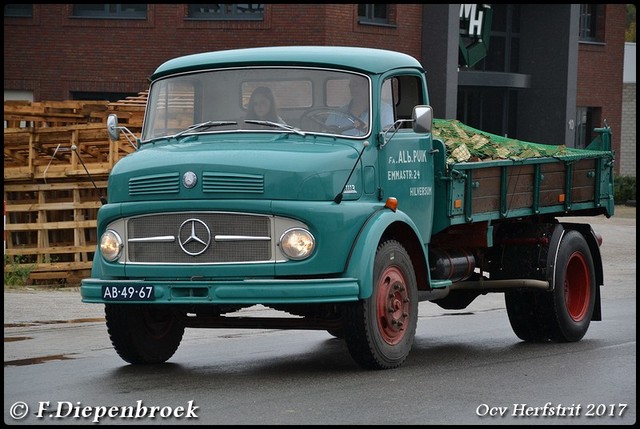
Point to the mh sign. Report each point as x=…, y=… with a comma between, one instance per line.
x=475, y=32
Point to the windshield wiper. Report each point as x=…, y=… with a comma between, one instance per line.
x=274, y=125
x=203, y=125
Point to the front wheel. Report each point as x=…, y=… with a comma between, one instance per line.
x=143, y=334
x=380, y=329
x=563, y=314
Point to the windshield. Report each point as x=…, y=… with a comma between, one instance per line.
x=276, y=100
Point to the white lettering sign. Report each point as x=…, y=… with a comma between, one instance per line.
x=403, y=175
x=409, y=156
x=417, y=191
x=471, y=13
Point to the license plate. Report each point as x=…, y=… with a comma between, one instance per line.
x=128, y=293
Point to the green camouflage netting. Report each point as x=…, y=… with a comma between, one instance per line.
x=467, y=144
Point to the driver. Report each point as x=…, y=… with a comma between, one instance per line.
x=355, y=119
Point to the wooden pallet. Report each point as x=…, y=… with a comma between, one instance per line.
x=48, y=153
x=51, y=203
x=20, y=114
x=51, y=227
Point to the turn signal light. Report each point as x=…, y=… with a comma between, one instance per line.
x=391, y=203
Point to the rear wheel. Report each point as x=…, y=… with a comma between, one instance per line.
x=336, y=332
x=563, y=314
x=143, y=334
x=380, y=329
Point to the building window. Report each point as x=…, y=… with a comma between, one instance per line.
x=502, y=23
x=218, y=11
x=373, y=13
x=494, y=110
x=18, y=10
x=586, y=118
x=110, y=11
x=591, y=23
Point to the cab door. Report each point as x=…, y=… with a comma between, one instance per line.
x=406, y=158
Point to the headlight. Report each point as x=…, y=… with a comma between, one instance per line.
x=111, y=245
x=297, y=243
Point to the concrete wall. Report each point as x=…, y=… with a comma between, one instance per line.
x=628, y=144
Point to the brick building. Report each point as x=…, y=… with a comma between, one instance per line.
x=541, y=72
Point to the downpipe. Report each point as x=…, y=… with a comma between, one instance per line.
x=483, y=286
x=501, y=285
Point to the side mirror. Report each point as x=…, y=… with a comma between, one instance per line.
x=112, y=127
x=422, y=119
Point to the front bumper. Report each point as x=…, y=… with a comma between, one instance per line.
x=253, y=291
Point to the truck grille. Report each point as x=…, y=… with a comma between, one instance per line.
x=199, y=238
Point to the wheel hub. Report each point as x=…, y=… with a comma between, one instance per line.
x=393, y=306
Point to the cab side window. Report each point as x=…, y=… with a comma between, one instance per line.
x=405, y=92
x=387, y=108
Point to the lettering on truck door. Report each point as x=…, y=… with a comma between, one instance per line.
x=406, y=160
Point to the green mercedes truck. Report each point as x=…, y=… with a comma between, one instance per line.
x=343, y=209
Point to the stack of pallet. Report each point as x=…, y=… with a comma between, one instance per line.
x=51, y=202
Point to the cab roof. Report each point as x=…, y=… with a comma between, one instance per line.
x=368, y=60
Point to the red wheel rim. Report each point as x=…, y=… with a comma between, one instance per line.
x=392, y=305
x=577, y=287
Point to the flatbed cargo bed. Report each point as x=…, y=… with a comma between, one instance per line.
x=484, y=177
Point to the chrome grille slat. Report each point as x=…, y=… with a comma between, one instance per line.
x=141, y=250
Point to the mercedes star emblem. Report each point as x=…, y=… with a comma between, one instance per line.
x=194, y=237
x=189, y=179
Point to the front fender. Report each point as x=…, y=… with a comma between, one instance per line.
x=363, y=252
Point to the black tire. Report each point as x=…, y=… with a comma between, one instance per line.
x=563, y=314
x=526, y=316
x=380, y=329
x=336, y=332
x=143, y=334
